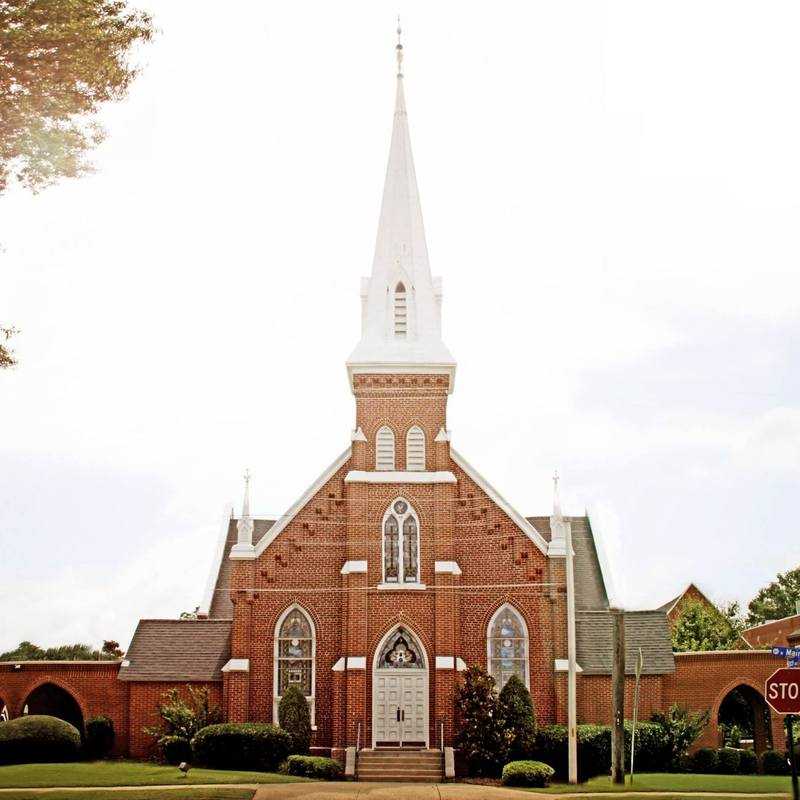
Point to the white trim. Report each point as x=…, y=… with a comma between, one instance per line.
x=356, y=662
x=605, y=566
x=352, y=567
x=400, y=518
x=216, y=563
x=242, y=552
x=399, y=587
x=461, y=665
x=446, y=568
x=362, y=476
x=339, y=665
x=495, y=496
x=562, y=665
x=527, y=641
x=382, y=443
x=269, y=537
x=415, y=432
x=442, y=436
x=358, y=435
x=275, y=647
x=375, y=670
x=445, y=662
x=237, y=665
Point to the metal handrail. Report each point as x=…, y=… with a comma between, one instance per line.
x=441, y=735
x=358, y=736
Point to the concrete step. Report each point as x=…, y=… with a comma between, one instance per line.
x=413, y=766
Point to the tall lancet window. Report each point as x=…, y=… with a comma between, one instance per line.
x=400, y=310
x=507, y=639
x=295, y=651
x=400, y=544
x=415, y=450
x=384, y=449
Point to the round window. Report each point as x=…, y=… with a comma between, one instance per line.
x=400, y=507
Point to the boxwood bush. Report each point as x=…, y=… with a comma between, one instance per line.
x=174, y=749
x=729, y=761
x=748, y=762
x=705, y=760
x=527, y=773
x=774, y=763
x=295, y=718
x=594, y=749
x=38, y=738
x=241, y=745
x=314, y=767
x=99, y=737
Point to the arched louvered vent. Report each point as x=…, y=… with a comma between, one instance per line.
x=400, y=310
x=415, y=450
x=384, y=449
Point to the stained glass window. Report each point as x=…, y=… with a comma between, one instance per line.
x=400, y=544
x=508, y=647
x=295, y=653
x=401, y=651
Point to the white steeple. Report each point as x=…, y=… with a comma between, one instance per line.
x=401, y=328
x=244, y=528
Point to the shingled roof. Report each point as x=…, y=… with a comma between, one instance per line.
x=177, y=650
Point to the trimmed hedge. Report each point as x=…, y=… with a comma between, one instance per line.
x=774, y=763
x=242, y=745
x=729, y=761
x=295, y=718
x=175, y=749
x=38, y=738
x=314, y=767
x=516, y=709
x=748, y=762
x=705, y=760
x=527, y=773
x=99, y=737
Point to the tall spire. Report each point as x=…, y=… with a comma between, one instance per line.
x=556, y=498
x=401, y=314
x=245, y=526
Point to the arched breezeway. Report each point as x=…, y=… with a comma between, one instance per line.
x=743, y=714
x=55, y=701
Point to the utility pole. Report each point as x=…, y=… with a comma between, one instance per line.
x=618, y=697
x=572, y=713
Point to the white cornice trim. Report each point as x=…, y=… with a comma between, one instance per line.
x=339, y=665
x=352, y=567
x=358, y=435
x=362, y=476
x=269, y=537
x=237, y=665
x=446, y=568
x=356, y=662
x=499, y=500
x=401, y=587
x=461, y=665
x=445, y=662
x=216, y=563
x=562, y=665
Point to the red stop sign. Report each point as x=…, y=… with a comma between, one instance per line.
x=782, y=690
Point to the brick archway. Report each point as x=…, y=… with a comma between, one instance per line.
x=56, y=700
x=760, y=714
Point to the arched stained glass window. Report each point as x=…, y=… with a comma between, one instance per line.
x=400, y=544
x=508, y=646
x=295, y=653
x=401, y=651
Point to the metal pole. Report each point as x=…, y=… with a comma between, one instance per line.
x=639, y=665
x=792, y=757
x=572, y=712
x=618, y=698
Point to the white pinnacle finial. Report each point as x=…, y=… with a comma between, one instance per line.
x=399, y=49
x=245, y=525
x=556, y=498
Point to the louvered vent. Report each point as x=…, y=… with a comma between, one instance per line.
x=384, y=449
x=400, y=311
x=415, y=450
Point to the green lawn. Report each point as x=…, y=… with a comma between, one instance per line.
x=135, y=794
x=123, y=773
x=681, y=782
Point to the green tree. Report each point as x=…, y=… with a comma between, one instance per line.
x=60, y=60
x=777, y=600
x=183, y=714
x=704, y=627
x=481, y=736
x=27, y=651
x=6, y=353
x=295, y=718
x=681, y=729
x=516, y=709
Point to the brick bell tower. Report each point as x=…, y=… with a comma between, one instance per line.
x=399, y=586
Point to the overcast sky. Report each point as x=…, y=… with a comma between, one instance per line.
x=610, y=192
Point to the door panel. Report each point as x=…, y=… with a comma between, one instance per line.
x=406, y=690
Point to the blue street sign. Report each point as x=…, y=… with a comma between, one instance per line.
x=786, y=652
x=794, y=662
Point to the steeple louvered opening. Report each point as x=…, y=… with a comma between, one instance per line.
x=400, y=311
x=384, y=449
x=415, y=450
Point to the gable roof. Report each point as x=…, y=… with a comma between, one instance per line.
x=177, y=650
x=690, y=590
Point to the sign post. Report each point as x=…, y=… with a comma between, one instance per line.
x=782, y=692
x=639, y=665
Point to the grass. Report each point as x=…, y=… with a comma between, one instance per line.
x=124, y=773
x=680, y=782
x=135, y=794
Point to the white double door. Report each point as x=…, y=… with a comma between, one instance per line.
x=400, y=707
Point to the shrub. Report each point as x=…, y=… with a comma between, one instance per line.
x=516, y=708
x=38, y=738
x=243, y=745
x=185, y=714
x=481, y=738
x=651, y=747
x=527, y=773
x=748, y=762
x=99, y=737
x=295, y=718
x=772, y=763
x=174, y=749
x=314, y=767
x=594, y=749
x=681, y=729
x=705, y=760
x=729, y=760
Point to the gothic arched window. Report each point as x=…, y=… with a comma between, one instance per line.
x=507, y=638
x=400, y=544
x=401, y=651
x=295, y=646
x=384, y=449
x=400, y=310
x=415, y=449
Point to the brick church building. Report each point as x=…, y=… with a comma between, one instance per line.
x=399, y=566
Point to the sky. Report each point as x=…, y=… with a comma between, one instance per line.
x=610, y=192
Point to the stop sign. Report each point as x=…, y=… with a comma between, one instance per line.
x=782, y=690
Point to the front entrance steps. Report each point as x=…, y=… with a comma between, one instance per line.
x=400, y=764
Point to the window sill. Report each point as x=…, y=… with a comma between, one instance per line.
x=402, y=587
